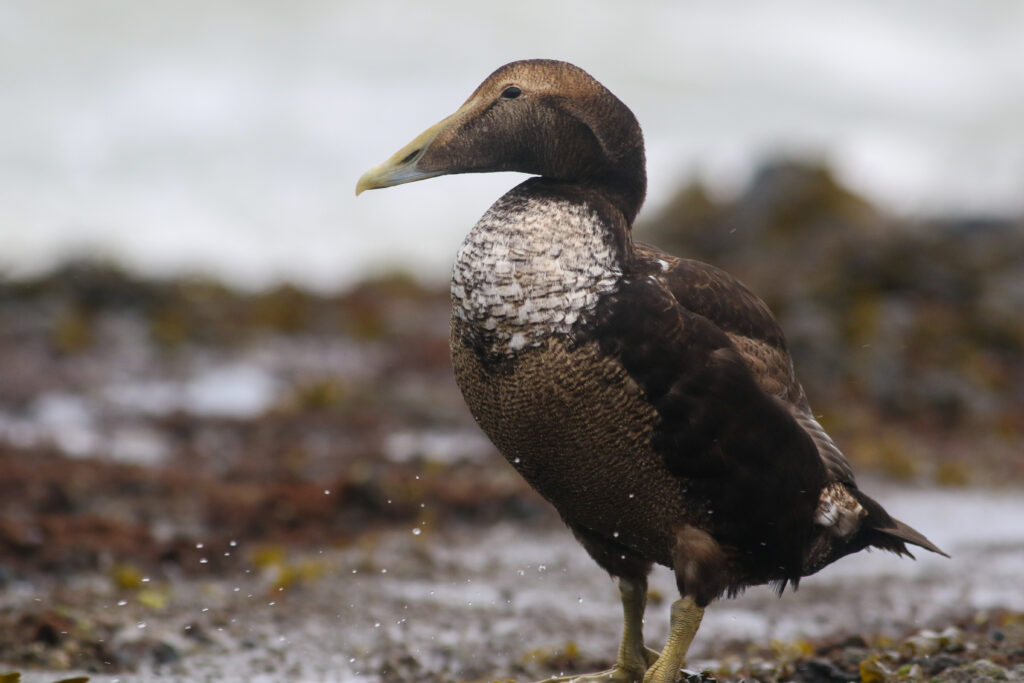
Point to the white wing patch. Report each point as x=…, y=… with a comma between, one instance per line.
x=838, y=510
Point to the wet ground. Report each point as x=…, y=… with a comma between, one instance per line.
x=522, y=600
x=200, y=485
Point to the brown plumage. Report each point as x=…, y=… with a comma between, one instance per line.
x=650, y=398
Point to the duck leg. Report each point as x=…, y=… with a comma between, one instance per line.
x=699, y=565
x=686, y=617
x=633, y=658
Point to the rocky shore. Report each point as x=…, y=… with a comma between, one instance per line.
x=207, y=484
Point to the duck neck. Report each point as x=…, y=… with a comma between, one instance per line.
x=609, y=156
x=625, y=188
x=591, y=140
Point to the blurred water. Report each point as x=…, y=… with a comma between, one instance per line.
x=227, y=137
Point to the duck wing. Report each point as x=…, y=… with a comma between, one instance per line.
x=746, y=320
x=730, y=443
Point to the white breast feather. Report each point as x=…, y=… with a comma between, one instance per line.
x=532, y=267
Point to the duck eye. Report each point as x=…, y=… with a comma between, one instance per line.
x=511, y=92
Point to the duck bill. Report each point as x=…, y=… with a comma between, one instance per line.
x=403, y=166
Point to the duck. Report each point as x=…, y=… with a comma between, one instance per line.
x=650, y=398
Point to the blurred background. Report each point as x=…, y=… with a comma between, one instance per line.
x=207, y=341
x=225, y=138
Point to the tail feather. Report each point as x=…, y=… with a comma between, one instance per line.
x=904, y=532
x=881, y=530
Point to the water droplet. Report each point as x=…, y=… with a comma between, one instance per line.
x=615, y=534
x=205, y=609
x=351, y=660
x=327, y=492
x=521, y=572
x=355, y=571
x=416, y=532
x=145, y=579
x=203, y=560
x=517, y=461
x=383, y=571
x=580, y=599
x=632, y=495
x=122, y=603
x=233, y=543
x=199, y=546
x=271, y=603
x=542, y=567
x=141, y=624
x=376, y=624
x=237, y=589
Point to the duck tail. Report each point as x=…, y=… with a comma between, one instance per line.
x=880, y=530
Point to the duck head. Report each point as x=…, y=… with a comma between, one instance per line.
x=537, y=116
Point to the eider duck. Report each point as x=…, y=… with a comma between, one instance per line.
x=650, y=398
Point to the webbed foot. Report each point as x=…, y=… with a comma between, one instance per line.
x=616, y=674
x=689, y=676
x=631, y=666
x=633, y=659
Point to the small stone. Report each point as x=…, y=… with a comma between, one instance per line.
x=923, y=644
x=164, y=653
x=822, y=671
x=933, y=665
x=981, y=671
x=851, y=657
x=873, y=670
x=951, y=639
